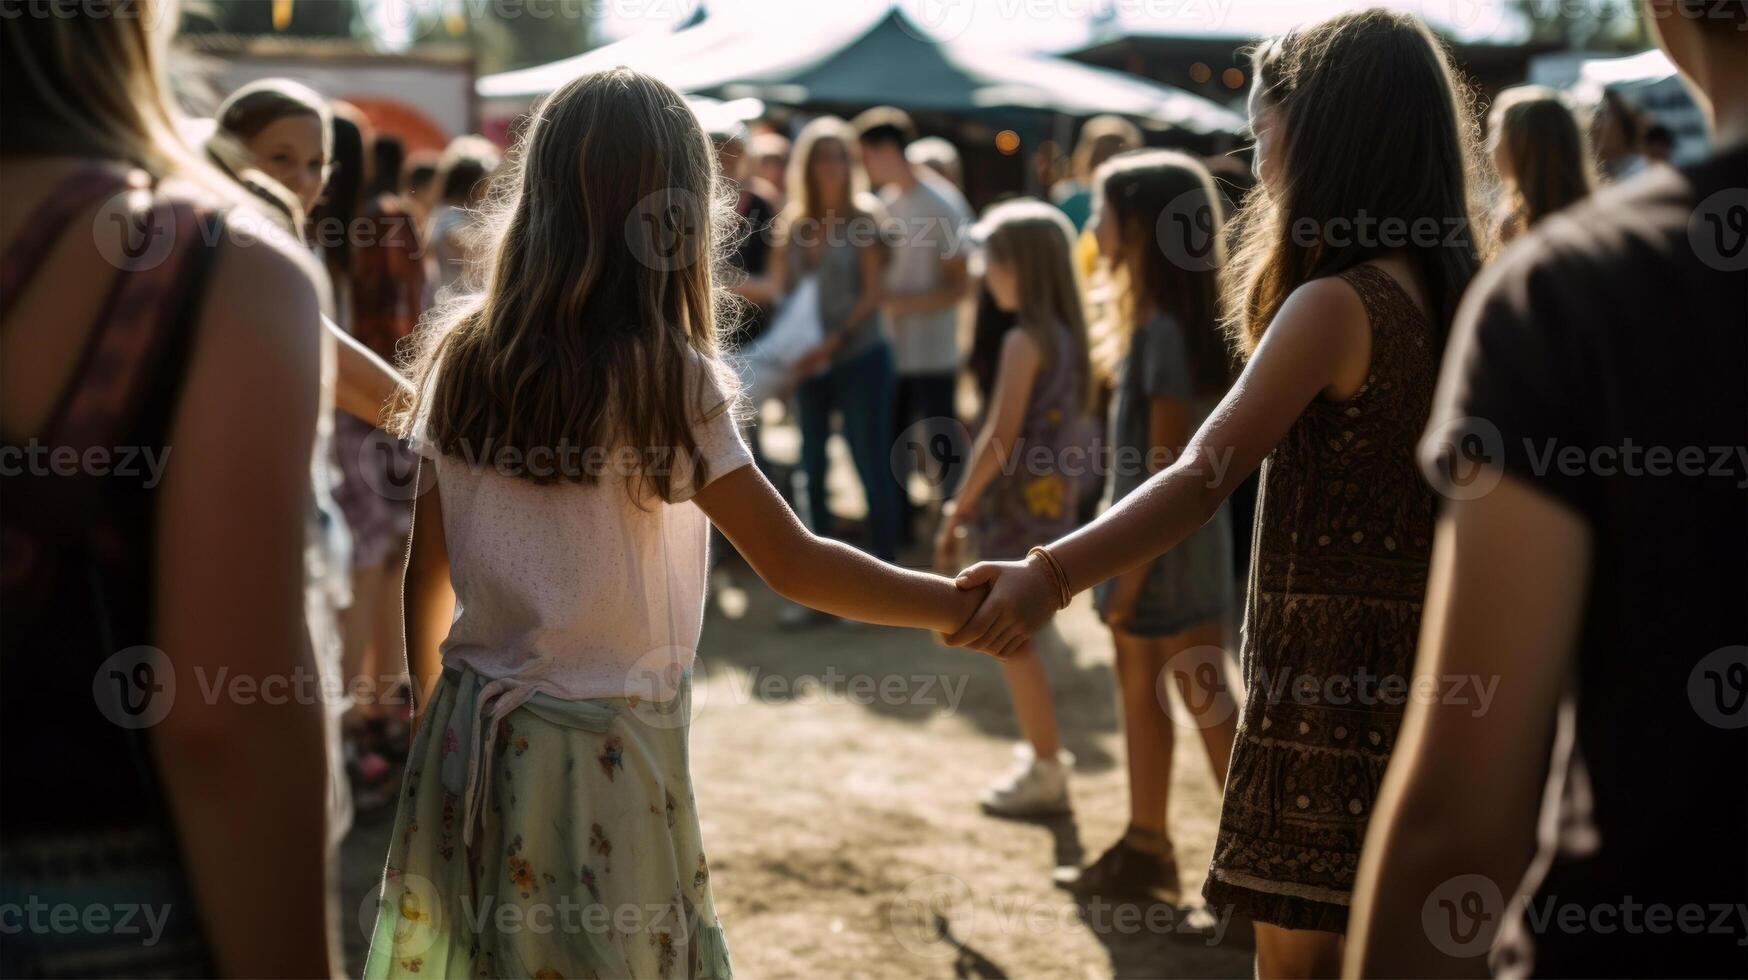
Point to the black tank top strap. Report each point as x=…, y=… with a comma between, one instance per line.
x=143, y=333
x=25, y=254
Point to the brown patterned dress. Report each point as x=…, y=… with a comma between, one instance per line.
x=1337, y=574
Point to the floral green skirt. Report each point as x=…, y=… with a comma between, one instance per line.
x=539, y=837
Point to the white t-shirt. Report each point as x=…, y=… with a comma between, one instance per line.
x=929, y=229
x=573, y=589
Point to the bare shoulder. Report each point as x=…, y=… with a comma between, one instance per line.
x=1328, y=307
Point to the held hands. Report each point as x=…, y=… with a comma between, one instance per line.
x=1023, y=595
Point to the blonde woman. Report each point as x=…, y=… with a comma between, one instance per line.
x=831, y=230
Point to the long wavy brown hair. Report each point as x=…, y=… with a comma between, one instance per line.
x=597, y=327
x=1546, y=159
x=1375, y=128
x=1171, y=255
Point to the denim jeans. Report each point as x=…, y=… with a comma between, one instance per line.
x=861, y=391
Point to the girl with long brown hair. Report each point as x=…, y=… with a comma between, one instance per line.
x=581, y=429
x=1350, y=265
x=1156, y=217
x=135, y=341
x=1542, y=156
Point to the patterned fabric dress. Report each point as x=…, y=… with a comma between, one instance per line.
x=1337, y=575
x=1036, y=504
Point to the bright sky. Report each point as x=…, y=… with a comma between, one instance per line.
x=1055, y=25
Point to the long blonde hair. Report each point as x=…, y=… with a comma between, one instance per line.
x=1037, y=241
x=598, y=322
x=91, y=81
x=805, y=217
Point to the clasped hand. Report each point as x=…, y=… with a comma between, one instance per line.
x=1022, y=597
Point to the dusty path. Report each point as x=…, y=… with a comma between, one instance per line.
x=837, y=769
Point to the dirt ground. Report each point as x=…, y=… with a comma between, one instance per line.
x=837, y=768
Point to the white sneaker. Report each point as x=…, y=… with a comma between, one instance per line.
x=1035, y=788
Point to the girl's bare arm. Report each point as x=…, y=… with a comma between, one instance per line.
x=1315, y=341
x=826, y=575
x=1015, y=374
x=366, y=385
x=428, y=600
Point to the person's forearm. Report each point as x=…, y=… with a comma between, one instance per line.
x=986, y=463
x=1420, y=842
x=365, y=385
x=1145, y=524
x=835, y=578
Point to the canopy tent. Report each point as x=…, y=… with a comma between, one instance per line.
x=891, y=61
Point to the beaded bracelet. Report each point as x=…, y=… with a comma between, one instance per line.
x=1056, y=572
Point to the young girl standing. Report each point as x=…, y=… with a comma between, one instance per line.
x=1349, y=271
x=1035, y=412
x=1171, y=367
x=581, y=431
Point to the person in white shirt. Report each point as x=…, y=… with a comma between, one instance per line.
x=926, y=280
